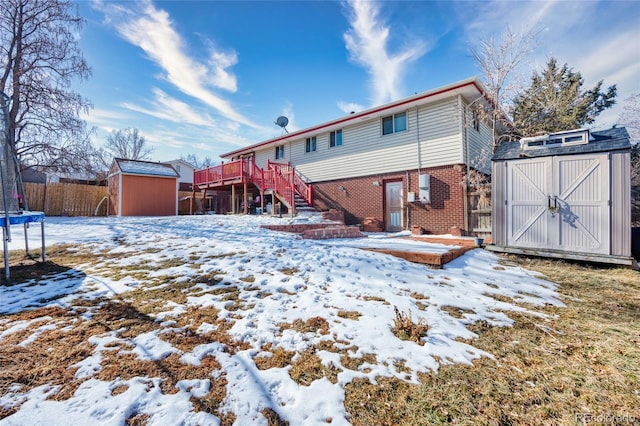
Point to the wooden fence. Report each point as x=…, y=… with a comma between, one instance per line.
x=70, y=199
x=66, y=199
x=479, y=205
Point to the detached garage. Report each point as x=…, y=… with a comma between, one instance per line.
x=142, y=188
x=565, y=195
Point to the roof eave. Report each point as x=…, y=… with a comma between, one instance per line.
x=411, y=101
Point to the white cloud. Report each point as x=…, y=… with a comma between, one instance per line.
x=168, y=108
x=105, y=120
x=151, y=29
x=349, y=107
x=367, y=43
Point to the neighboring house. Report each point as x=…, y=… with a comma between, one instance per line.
x=185, y=170
x=401, y=164
x=36, y=174
x=142, y=188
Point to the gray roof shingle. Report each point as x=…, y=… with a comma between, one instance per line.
x=146, y=168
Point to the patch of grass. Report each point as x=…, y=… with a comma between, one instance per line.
x=419, y=296
x=279, y=358
x=456, y=311
x=137, y=419
x=422, y=306
x=352, y=315
x=405, y=329
x=289, y=271
x=273, y=419
x=354, y=363
x=375, y=299
x=308, y=367
x=312, y=325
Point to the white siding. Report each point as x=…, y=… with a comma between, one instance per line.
x=365, y=151
x=440, y=134
x=479, y=145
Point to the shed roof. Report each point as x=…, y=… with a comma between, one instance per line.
x=612, y=139
x=147, y=168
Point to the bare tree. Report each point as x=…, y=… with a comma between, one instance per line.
x=198, y=162
x=39, y=59
x=128, y=144
x=498, y=60
x=630, y=118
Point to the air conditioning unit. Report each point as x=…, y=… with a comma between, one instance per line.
x=425, y=188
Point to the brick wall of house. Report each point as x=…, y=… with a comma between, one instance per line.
x=360, y=198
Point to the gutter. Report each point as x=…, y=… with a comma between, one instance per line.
x=473, y=82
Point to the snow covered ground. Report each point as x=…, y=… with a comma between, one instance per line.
x=280, y=279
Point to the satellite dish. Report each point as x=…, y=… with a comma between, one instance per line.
x=282, y=121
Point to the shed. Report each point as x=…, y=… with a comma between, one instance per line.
x=142, y=188
x=564, y=195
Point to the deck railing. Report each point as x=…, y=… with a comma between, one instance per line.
x=280, y=177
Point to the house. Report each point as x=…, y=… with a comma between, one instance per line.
x=566, y=195
x=398, y=165
x=142, y=188
x=185, y=170
x=39, y=174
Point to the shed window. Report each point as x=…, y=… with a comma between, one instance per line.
x=279, y=152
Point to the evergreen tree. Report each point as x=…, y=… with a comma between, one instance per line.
x=556, y=101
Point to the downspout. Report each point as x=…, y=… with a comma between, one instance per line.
x=465, y=146
x=419, y=160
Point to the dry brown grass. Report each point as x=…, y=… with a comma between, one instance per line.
x=312, y=325
x=279, y=358
x=584, y=359
x=405, y=329
x=50, y=357
x=352, y=315
x=308, y=367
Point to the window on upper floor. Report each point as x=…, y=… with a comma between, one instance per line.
x=475, y=120
x=310, y=145
x=335, y=138
x=394, y=123
x=279, y=152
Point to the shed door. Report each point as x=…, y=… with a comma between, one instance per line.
x=583, y=203
x=393, y=206
x=528, y=186
x=559, y=203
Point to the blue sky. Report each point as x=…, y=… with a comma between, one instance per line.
x=208, y=77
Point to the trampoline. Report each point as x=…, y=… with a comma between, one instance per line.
x=14, y=209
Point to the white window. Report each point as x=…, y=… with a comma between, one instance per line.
x=394, y=123
x=335, y=138
x=310, y=145
x=279, y=152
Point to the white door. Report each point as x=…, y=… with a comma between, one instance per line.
x=583, y=203
x=393, y=206
x=559, y=203
x=528, y=188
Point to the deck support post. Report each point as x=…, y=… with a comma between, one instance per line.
x=245, y=200
x=233, y=199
